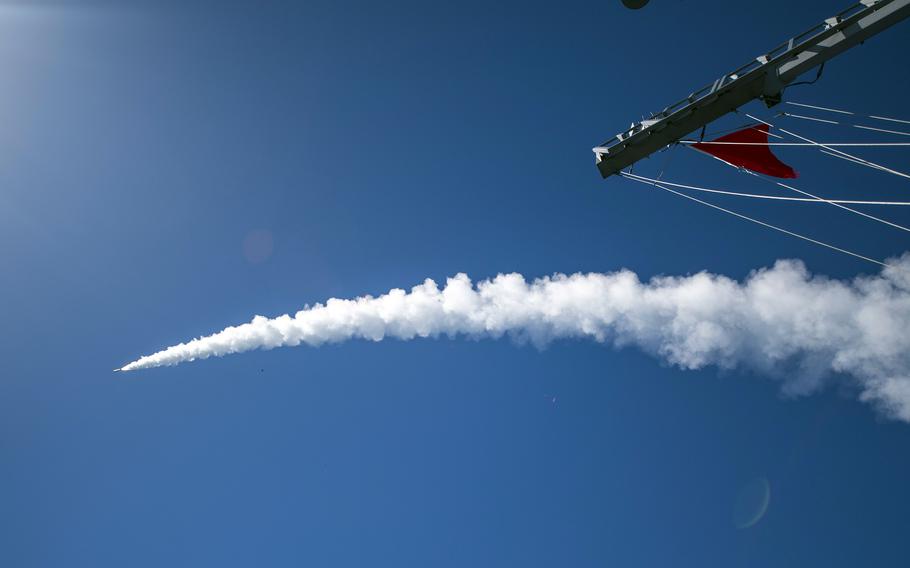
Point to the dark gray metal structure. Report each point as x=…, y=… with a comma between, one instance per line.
x=764, y=78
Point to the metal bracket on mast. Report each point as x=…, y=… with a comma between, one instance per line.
x=765, y=77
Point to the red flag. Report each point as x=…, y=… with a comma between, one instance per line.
x=754, y=154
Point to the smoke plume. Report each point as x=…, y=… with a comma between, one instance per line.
x=780, y=321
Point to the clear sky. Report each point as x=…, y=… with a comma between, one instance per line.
x=170, y=168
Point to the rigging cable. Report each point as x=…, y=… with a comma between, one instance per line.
x=860, y=126
x=872, y=116
x=764, y=196
x=824, y=144
x=812, y=82
x=753, y=220
x=829, y=202
x=742, y=127
x=839, y=153
x=812, y=196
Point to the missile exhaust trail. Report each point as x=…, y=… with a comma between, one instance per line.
x=781, y=321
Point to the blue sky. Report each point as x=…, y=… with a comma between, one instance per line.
x=378, y=144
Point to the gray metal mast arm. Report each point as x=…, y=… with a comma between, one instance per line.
x=763, y=78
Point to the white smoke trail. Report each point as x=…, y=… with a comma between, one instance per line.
x=780, y=321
